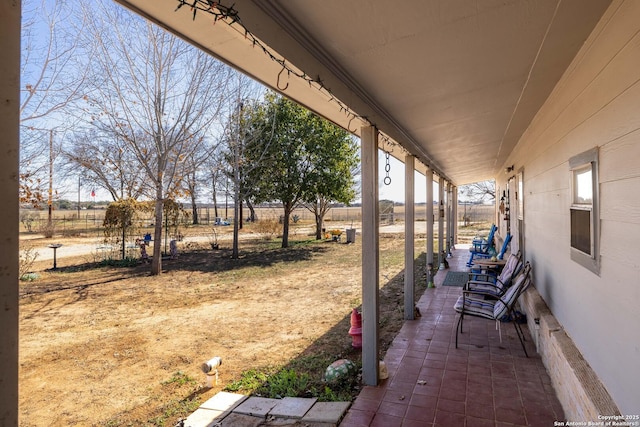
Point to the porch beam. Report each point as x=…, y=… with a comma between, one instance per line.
x=370, y=254
x=409, y=232
x=9, y=238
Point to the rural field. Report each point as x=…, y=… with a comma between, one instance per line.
x=103, y=343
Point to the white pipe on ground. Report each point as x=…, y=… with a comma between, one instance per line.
x=210, y=368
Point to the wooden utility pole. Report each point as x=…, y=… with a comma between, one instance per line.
x=50, y=200
x=79, y=177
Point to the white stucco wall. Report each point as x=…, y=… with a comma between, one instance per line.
x=596, y=104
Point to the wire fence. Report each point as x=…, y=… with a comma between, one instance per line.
x=71, y=223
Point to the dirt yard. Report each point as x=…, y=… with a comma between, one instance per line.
x=111, y=345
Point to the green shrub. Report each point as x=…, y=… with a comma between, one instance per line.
x=285, y=383
x=127, y=262
x=249, y=381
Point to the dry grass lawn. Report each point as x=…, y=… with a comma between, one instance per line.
x=111, y=345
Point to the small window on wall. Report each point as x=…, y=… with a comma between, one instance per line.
x=584, y=210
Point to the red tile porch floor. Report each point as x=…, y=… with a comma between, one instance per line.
x=484, y=382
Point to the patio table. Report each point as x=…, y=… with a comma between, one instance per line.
x=488, y=263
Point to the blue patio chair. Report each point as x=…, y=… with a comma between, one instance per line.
x=482, y=246
x=473, y=303
x=503, y=249
x=505, y=245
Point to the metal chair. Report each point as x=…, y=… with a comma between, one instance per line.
x=474, y=303
x=493, y=284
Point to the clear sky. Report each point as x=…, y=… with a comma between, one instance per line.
x=395, y=190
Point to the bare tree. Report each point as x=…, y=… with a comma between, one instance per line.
x=216, y=175
x=474, y=194
x=479, y=192
x=196, y=175
x=53, y=78
x=156, y=94
x=106, y=161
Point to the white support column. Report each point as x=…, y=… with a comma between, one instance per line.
x=447, y=218
x=429, y=198
x=409, y=232
x=441, y=232
x=370, y=254
x=452, y=216
x=9, y=238
x=455, y=216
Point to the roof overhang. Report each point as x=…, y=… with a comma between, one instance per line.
x=454, y=83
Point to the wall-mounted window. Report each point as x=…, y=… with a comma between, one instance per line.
x=584, y=210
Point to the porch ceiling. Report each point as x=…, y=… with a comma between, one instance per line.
x=455, y=82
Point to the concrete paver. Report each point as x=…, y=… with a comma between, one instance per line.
x=292, y=407
x=204, y=418
x=256, y=406
x=326, y=412
x=241, y=420
x=224, y=401
x=237, y=410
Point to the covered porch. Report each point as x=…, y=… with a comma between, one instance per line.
x=485, y=382
x=460, y=91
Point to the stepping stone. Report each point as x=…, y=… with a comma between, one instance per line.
x=240, y=420
x=256, y=406
x=204, y=418
x=326, y=412
x=224, y=401
x=292, y=407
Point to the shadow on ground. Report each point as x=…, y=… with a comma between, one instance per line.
x=211, y=261
x=303, y=376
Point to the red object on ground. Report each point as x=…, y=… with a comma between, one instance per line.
x=356, y=329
